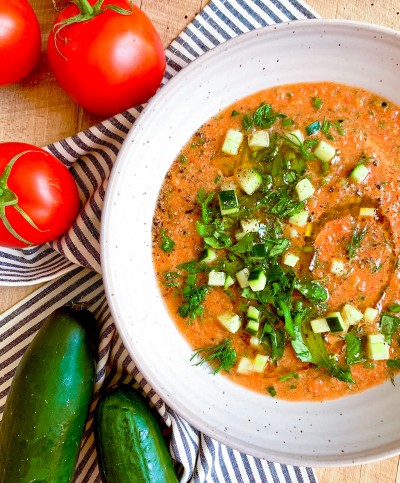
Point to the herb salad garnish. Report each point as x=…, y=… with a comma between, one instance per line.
x=259, y=282
x=231, y=245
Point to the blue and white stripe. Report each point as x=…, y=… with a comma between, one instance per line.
x=71, y=265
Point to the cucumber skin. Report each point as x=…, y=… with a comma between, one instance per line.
x=130, y=446
x=48, y=403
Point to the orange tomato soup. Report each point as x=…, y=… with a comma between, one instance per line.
x=309, y=215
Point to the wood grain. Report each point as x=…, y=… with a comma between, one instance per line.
x=39, y=112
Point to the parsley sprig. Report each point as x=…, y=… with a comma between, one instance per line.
x=193, y=296
x=263, y=117
x=167, y=244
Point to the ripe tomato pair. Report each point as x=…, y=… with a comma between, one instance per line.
x=106, y=55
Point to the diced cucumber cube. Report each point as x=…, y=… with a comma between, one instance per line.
x=249, y=180
x=259, y=363
x=254, y=341
x=258, y=251
x=258, y=140
x=228, y=202
x=366, y=212
x=231, y=322
x=300, y=218
x=324, y=151
x=375, y=338
x=304, y=189
x=229, y=281
x=335, y=322
x=293, y=233
x=253, y=313
x=290, y=259
x=245, y=366
x=351, y=315
x=242, y=277
x=370, y=315
x=257, y=280
x=207, y=256
x=252, y=327
x=252, y=225
x=232, y=142
x=319, y=325
x=228, y=185
x=216, y=279
x=359, y=173
x=338, y=267
x=296, y=137
x=376, y=348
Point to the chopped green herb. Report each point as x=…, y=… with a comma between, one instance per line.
x=357, y=237
x=170, y=279
x=299, y=344
x=263, y=117
x=302, y=147
x=321, y=358
x=393, y=363
x=235, y=113
x=312, y=290
x=394, y=308
x=204, y=200
x=388, y=326
x=287, y=122
x=317, y=102
x=167, y=244
x=183, y=159
x=271, y=391
x=244, y=245
x=327, y=125
x=224, y=355
x=248, y=122
x=289, y=375
x=193, y=295
x=354, y=350
x=274, y=339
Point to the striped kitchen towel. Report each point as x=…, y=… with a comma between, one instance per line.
x=71, y=265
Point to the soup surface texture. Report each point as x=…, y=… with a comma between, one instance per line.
x=276, y=241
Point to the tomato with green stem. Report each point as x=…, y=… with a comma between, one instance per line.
x=107, y=55
x=20, y=41
x=39, y=198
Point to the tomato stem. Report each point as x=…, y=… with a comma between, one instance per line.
x=85, y=7
x=9, y=198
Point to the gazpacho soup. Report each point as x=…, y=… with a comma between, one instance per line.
x=276, y=241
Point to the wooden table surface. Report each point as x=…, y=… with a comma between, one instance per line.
x=38, y=112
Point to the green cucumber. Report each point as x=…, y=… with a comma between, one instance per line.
x=48, y=403
x=228, y=202
x=130, y=446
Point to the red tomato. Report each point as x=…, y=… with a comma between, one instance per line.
x=39, y=198
x=20, y=41
x=110, y=62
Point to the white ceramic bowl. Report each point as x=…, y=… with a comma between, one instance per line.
x=351, y=430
